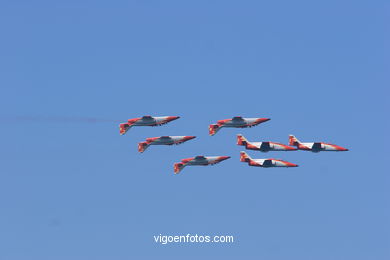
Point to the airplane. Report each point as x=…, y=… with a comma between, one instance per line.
x=263, y=146
x=163, y=140
x=236, y=121
x=314, y=147
x=266, y=163
x=198, y=160
x=145, y=121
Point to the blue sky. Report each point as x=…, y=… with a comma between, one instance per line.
x=78, y=190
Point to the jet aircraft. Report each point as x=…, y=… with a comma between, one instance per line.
x=236, y=121
x=263, y=146
x=198, y=160
x=315, y=146
x=163, y=140
x=145, y=121
x=266, y=163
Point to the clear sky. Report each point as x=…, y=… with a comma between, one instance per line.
x=71, y=189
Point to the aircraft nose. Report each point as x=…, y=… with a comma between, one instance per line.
x=190, y=137
x=339, y=148
x=262, y=120
x=170, y=118
x=288, y=164
x=224, y=157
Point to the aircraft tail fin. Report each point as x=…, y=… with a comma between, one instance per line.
x=142, y=146
x=123, y=128
x=292, y=140
x=177, y=167
x=244, y=157
x=213, y=129
x=241, y=140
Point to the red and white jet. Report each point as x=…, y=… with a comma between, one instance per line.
x=198, y=160
x=263, y=146
x=236, y=121
x=145, y=121
x=163, y=140
x=314, y=147
x=266, y=163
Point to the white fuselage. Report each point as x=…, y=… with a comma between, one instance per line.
x=204, y=161
x=320, y=146
x=167, y=140
x=274, y=163
x=239, y=122
x=269, y=146
x=150, y=121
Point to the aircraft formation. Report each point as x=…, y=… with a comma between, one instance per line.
x=237, y=122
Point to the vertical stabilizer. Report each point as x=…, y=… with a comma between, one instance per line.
x=292, y=140
x=123, y=128
x=177, y=167
x=244, y=157
x=213, y=129
x=142, y=146
x=241, y=140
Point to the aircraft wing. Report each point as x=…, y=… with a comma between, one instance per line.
x=265, y=146
x=316, y=146
x=237, y=118
x=267, y=163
